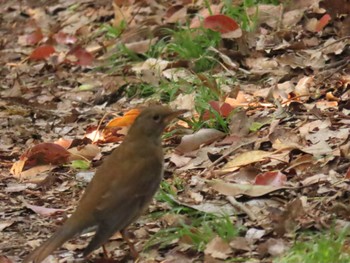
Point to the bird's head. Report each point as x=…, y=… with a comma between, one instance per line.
x=152, y=121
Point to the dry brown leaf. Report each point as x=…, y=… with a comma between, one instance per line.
x=218, y=248
x=245, y=159
x=303, y=87
x=5, y=223
x=35, y=171
x=179, y=160
x=240, y=243
x=243, y=189
x=89, y=151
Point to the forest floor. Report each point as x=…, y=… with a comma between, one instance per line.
x=256, y=171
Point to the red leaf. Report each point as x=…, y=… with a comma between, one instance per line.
x=323, y=22
x=223, y=108
x=64, y=38
x=226, y=109
x=275, y=178
x=220, y=23
x=83, y=57
x=215, y=105
x=34, y=37
x=45, y=153
x=42, y=52
x=347, y=175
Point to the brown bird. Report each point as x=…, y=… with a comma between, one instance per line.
x=122, y=187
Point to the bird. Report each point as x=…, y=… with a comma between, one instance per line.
x=122, y=187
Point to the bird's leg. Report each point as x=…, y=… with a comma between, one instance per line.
x=133, y=251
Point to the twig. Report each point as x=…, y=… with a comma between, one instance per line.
x=241, y=207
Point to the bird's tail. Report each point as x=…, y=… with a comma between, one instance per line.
x=63, y=234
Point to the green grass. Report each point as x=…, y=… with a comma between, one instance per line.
x=193, y=44
x=114, y=31
x=142, y=90
x=326, y=247
x=240, y=15
x=195, y=228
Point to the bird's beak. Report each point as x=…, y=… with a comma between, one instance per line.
x=174, y=114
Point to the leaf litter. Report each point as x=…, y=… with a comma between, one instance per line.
x=281, y=167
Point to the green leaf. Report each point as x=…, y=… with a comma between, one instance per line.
x=256, y=126
x=80, y=164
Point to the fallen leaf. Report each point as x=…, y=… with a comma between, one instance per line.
x=197, y=20
x=81, y=56
x=179, y=160
x=218, y=248
x=323, y=22
x=303, y=87
x=15, y=187
x=274, y=247
x=194, y=141
x=245, y=159
x=35, y=171
x=128, y=119
x=44, y=211
x=65, y=143
x=42, y=52
x=286, y=221
x=320, y=148
x=6, y=223
x=240, y=243
x=4, y=259
x=220, y=23
x=222, y=108
x=243, y=189
x=275, y=178
x=34, y=37
x=64, y=38
x=89, y=152
x=45, y=153
x=254, y=234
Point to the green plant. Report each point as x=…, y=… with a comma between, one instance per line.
x=169, y=90
x=240, y=14
x=326, y=247
x=193, y=44
x=142, y=90
x=114, y=31
x=203, y=227
x=198, y=233
x=156, y=50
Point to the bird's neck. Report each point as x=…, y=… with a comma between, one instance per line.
x=143, y=138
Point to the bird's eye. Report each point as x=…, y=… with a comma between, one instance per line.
x=156, y=118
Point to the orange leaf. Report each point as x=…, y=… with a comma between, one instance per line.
x=65, y=143
x=128, y=119
x=323, y=22
x=42, y=52
x=220, y=23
